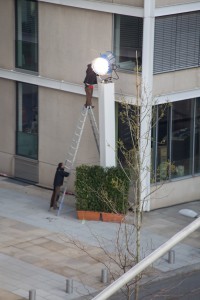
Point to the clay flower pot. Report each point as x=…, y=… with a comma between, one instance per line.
x=111, y=217
x=88, y=215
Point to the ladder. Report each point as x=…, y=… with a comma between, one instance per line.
x=73, y=149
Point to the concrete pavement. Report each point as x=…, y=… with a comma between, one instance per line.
x=40, y=250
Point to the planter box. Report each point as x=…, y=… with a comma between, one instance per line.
x=111, y=217
x=88, y=215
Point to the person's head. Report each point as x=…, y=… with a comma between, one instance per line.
x=60, y=165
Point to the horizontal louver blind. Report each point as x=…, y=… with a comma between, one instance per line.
x=176, y=44
x=164, y=49
x=187, y=42
x=131, y=32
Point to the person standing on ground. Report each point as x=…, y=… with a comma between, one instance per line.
x=58, y=182
x=89, y=81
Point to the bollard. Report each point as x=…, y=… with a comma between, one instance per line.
x=32, y=295
x=69, y=286
x=171, y=257
x=104, y=275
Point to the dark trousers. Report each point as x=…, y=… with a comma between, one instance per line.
x=89, y=93
x=55, y=197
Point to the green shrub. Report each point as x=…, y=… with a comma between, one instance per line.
x=116, y=185
x=88, y=185
x=99, y=189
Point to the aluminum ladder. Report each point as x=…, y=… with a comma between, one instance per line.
x=73, y=149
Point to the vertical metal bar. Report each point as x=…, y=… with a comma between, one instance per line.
x=32, y=295
x=69, y=286
x=171, y=256
x=104, y=275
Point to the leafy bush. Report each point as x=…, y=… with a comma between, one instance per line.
x=88, y=185
x=100, y=189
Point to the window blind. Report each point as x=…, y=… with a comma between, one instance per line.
x=176, y=44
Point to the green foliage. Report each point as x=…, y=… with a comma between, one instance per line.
x=88, y=185
x=100, y=189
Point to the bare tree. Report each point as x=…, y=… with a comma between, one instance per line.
x=134, y=157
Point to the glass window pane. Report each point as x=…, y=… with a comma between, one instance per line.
x=128, y=34
x=163, y=142
x=182, y=123
x=27, y=35
x=27, y=120
x=128, y=133
x=197, y=138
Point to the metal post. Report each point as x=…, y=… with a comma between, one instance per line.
x=32, y=295
x=69, y=286
x=171, y=257
x=104, y=275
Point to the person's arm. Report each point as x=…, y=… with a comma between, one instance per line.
x=66, y=174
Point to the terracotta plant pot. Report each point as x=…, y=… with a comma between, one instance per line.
x=111, y=217
x=88, y=215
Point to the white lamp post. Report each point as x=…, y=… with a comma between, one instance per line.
x=103, y=66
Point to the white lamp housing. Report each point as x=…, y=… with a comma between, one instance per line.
x=100, y=66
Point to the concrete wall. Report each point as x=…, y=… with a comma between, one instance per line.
x=72, y=41
x=58, y=116
x=7, y=126
x=7, y=34
x=177, y=81
x=137, y=3
x=176, y=192
x=160, y=3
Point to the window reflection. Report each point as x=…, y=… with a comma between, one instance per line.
x=182, y=137
x=197, y=138
x=27, y=35
x=27, y=120
x=128, y=34
x=163, y=117
x=175, y=139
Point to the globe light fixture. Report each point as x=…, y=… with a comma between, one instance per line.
x=100, y=66
x=105, y=65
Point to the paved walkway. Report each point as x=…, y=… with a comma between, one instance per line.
x=38, y=251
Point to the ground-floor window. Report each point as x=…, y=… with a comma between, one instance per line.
x=27, y=120
x=175, y=139
x=176, y=144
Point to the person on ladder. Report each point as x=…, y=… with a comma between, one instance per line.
x=58, y=182
x=89, y=81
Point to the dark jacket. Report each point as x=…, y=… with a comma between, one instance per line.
x=59, y=177
x=91, y=76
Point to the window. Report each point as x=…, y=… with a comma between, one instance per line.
x=128, y=130
x=128, y=32
x=26, y=34
x=27, y=120
x=178, y=151
x=177, y=39
x=162, y=154
x=181, y=138
x=175, y=138
x=197, y=137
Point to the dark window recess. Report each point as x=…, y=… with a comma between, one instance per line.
x=27, y=120
x=128, y=34
x=26, y=34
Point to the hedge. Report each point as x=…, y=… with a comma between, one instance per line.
x=101, y=189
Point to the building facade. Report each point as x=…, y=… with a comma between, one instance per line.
x=46, y=47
